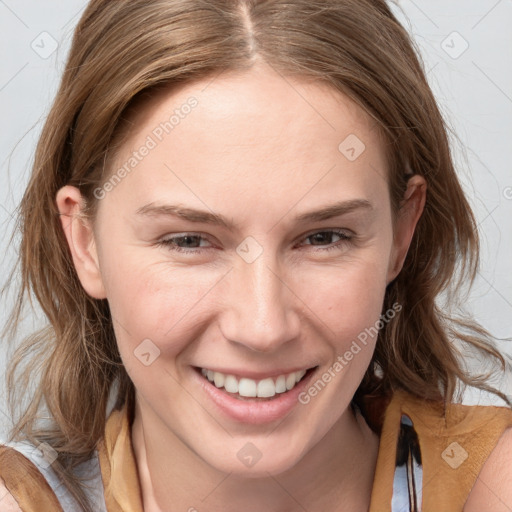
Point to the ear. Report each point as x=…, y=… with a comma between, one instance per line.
x=410, y=210
x=80, y=237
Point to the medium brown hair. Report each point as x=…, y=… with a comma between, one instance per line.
x=124, y=48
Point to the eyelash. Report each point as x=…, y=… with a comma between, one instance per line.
x=170, y=242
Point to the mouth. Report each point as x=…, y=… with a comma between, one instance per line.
x=255, y=390
x=262, y=400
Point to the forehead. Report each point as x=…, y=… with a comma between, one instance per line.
x=256, y=132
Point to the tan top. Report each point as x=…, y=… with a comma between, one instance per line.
x=453, y=448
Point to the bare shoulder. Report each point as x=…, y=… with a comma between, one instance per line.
x=7, y=502
x=492, y=491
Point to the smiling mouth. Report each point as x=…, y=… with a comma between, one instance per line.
x=251, y=389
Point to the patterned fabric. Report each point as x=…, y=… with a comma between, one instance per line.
x=408, y=479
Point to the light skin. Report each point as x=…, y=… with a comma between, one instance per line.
x=259, y=150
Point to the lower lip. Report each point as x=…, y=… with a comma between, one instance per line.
x=254, y=412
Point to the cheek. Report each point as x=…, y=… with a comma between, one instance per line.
x=350, y=305
x=347, y=298
x=156, y=302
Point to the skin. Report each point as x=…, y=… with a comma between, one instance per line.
x=258, y=149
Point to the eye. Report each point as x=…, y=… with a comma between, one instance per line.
x=322, y=236
x=188, y=242
x=187, y=239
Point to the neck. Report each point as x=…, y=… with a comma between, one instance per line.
x=170, y=472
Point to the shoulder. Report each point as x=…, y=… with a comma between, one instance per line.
x=7, y=501
x=23, y=482
x=492, y=491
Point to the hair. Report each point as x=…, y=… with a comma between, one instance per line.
x=125, y=50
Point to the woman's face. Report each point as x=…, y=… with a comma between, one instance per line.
x=250, y=235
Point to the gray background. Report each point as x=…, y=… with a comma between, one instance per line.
x=467, y=50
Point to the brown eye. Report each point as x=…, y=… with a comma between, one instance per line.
x=324, y=237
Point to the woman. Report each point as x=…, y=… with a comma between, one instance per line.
x=178, y=232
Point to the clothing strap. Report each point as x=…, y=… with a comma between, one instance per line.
x=88, y=470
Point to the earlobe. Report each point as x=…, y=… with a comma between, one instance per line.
x=411, y=208
x=81, y=242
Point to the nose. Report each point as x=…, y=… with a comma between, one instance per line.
x=261, y=309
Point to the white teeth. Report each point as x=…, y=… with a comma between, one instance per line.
x=290, y=381
x=247, y=387
x=218, y=378
x=231, y=384
x=281, y=384
x=300, y=374
x=264, y=388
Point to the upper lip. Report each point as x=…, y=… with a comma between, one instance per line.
x=256, y=375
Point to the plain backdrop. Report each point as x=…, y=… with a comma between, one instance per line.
x=466, y=47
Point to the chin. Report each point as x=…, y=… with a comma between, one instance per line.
x=255, y=460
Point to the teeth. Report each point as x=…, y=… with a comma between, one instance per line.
x=266, y=388
x=219, y=379
x=247, y=387
x=231, y=384
x=290, y=381
x=250, y=388
x=281, y=384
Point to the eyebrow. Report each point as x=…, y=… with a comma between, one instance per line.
x=202, y=216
